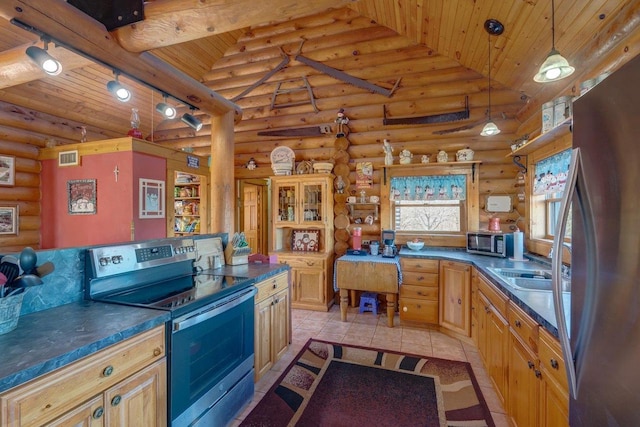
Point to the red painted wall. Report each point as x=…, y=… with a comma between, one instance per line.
x=116, y=206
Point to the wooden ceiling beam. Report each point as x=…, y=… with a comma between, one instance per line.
x=169, y=22
x=72, y=28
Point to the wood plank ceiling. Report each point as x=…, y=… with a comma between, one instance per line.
x=181, y=33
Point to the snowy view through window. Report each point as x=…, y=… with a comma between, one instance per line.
x=432, y=216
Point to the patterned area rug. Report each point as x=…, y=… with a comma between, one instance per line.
x=337, y=385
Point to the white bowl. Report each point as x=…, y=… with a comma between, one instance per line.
x=416, y=246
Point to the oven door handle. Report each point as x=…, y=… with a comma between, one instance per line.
x=214, y=309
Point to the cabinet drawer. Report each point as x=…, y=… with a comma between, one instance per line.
x=60, y=391
x=418, y=310
x=497, y=298
x=524, y=326
x=550, y=355
x=419, y=278
x=271, y=286
x=419, y=292
x=303, y=262
x=417, y=264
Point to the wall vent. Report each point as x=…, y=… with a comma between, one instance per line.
x=68, y=158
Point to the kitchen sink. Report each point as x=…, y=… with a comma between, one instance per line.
x=522, y=273
x=529, y=280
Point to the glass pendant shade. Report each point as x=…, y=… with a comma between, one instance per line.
x=555, y=67
x=490, y=129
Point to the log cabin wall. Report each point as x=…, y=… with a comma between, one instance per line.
x=430, y=84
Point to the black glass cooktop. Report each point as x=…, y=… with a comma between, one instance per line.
x=181, y=293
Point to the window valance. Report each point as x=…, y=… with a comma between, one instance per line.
x=551, y=173
x=433, y=187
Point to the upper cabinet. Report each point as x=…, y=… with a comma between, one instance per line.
x=300, y=201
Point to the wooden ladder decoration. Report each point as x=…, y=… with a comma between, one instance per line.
x=303, y=87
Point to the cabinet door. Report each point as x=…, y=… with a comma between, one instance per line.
x=140, y=400
x=262, y=337
x=309, y=286
x=455, y=296
x=89, y=414
x=280, y=324
x=285, y=196
x=312, y=207
x=523, y=384
x=493, y=344
x=554, y=411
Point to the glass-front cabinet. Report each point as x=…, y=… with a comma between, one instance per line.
x=300, y=202
x=303, y=236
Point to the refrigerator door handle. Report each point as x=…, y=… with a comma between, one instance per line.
x=556, y=267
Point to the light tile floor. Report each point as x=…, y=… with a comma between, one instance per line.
x=369, y=330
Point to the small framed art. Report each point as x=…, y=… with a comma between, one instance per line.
x=7, y=170
x=306, y=240
x=151, y=198
x=82, y=196
x=9, y=220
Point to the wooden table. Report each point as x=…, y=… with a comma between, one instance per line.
x=371, y=274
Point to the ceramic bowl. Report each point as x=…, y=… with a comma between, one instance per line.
x=322, y=167
x=415, y=246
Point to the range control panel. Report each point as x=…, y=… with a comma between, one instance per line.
x=111, y=260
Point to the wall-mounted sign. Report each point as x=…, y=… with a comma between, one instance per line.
x=364, y=174
x=193, y=162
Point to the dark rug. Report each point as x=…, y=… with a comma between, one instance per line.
x=338, y=385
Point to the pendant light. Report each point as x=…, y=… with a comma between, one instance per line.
x=555, y=67
x=492, y=26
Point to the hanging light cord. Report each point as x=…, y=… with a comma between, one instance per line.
x=553, y=25
x=489, y=36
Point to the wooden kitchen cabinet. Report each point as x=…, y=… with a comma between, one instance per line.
x=455, y=297
x=303, y=206
x=124, y=384
x=272, y=322
x=493, y=335
x=419, y=293
x=554, y=387
x=523, y=368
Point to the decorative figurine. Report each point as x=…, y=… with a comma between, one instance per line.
x=388, y=152
x=341, y=121
x=251, y=164
x=425, y=158
x=405, y=157
x=339, y=184
x=443, y=157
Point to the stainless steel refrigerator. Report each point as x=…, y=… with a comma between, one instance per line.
x=603, y=190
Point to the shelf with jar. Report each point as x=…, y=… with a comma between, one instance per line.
x=187, y=204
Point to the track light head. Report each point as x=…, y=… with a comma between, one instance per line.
x=192, y=121
x=166, y=110
x=48, y=63
x=121, y=93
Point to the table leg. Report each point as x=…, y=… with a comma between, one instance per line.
x=391, y=308
x=344, y=302
x=352, y=294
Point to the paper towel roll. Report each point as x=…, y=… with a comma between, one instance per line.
x=518, y=245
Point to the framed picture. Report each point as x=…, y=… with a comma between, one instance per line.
x=305, y=240
x=82, y=196
x=7, y=170
x=9, y=220
x=151, y=198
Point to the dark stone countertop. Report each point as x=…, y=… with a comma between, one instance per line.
x=538, y=304
x=47, y=340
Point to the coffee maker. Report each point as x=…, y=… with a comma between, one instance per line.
x=389, y=241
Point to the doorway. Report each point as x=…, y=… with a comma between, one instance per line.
x=253, y=213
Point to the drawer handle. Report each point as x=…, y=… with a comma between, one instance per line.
x=518, y=324
x=157, y=351
x=420, y=293
x=107, y=371
x=530, y=363
x=554, y=363
x=116, y=400
x=538, y=373
x=275, y=285
x=486, y=309
x=98, y=413
x=420, y=278
x=310, y=263
x=459, y=301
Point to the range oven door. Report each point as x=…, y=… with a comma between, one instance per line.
x=212, y=359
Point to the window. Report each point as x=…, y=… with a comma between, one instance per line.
x=432, y=202
x=436, y=216
x=548, y=187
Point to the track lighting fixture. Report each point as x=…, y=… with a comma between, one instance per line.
x=40, y=56
x=165, y=109
x=120, y=92
x=492, y=27
x=555, y=67
x=192, y=121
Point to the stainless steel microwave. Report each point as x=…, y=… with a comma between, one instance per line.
x=494, y=244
